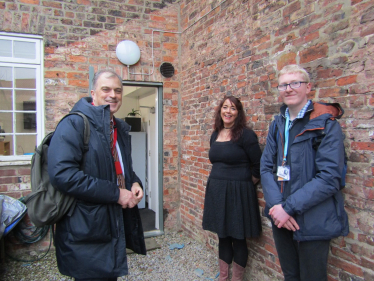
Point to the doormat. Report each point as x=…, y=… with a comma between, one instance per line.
x=150, y=244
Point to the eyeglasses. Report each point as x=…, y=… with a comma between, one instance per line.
x=293, y=85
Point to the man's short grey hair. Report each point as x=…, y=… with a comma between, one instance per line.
x=110, y=73
x=294, y=68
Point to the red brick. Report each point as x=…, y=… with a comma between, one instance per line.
x=241, y=84
x=362, y=146
x=69, y=15
x=306, y=39
x=349, y=267
x=261, y=40
x=158, y=18
x=325, y=83
x=313, y=53
x=84, y=2
x=170, y=46
x=328, y=92
x=328, y=73
x=171, y=85
x=293, y=7
x=354, y=2
x=25, y=171
x=77, y=75
x=77, y=58
x=346, y=80
x=289, y=58
x=313, y=28
x=52, y=4
x=344, y=255
x=79, y=83
x=7, y=173
x=33, y=2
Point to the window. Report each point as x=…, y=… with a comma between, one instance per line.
x=21, y=95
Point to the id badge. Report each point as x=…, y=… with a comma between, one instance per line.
x=283, y=173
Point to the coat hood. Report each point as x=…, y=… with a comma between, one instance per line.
x=319, y=108
x=334, y=109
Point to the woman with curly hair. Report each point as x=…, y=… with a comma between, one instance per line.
x=231, y=206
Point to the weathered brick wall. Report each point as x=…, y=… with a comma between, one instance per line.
x=83, y=33
x=15, y=181
x=238, y=49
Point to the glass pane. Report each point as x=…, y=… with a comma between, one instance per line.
x=26, y=122
x=25, y=50
x=6, y=99
x=25, y=77
x=25, y=145
x=6, y=77
x=6, y=145
x=25, y=100
x=5, y=48
x=6, y=122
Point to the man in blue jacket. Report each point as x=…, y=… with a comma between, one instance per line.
x=301, y=173
x=91, y=242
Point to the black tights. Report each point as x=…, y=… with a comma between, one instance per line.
x=230, y=248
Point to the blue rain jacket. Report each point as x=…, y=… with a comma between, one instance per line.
x=312, y=196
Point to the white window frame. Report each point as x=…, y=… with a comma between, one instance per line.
x=36, y=63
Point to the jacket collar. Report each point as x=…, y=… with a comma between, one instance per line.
x=284, y=107
x=99, y=115
x=319, y=108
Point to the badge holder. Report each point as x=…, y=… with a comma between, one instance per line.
x=283, y=173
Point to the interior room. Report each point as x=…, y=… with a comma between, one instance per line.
x=139, y=111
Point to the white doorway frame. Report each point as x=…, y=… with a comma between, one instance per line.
x=160, y=153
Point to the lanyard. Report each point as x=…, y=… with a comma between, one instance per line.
x=286, y=136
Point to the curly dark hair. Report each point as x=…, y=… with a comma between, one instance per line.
x=240, y=121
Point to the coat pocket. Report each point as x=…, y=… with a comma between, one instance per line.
x=322, y=221
x=90, y=223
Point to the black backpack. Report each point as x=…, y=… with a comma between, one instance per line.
x=45, y=204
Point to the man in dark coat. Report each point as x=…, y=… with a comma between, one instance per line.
x=301, y=178
x=91, y=242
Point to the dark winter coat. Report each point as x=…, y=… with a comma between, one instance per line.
x=312, y=196
x=91, y=243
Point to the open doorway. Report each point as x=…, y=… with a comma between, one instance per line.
x=145, y=99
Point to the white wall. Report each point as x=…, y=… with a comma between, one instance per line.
x=127, y=105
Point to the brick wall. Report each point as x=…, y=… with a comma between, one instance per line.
x=83, y=33
x=238, y=49
x=235, y=47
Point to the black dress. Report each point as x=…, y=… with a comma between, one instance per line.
x=231, y=206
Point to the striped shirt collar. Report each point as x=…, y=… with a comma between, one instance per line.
x=300, y=115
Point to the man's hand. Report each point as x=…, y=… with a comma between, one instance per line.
x=137, y=191
x=282, y=219
x=127, y=199
x=291, y=224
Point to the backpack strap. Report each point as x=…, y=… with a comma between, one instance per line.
x=86, y=140
x=86, y=131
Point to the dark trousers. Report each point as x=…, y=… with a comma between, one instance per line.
x=301, y=261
